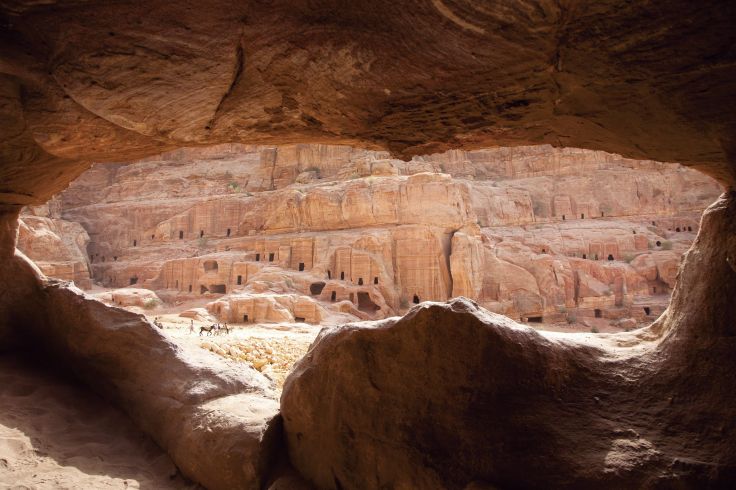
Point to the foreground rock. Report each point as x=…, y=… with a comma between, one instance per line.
x=213, y=418
x=452, y=395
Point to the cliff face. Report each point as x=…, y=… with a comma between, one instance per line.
x=536, y=233
x=57, y=246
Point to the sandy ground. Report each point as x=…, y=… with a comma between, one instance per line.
x=272, y=349
x=56, y=435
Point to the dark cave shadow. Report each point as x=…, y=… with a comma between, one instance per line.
x=59, y=415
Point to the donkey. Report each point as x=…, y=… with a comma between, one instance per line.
x=209, y=330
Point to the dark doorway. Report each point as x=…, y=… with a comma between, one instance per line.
x=598, y=313
x=375, y=280
x=228, y=232
x=203, y=289
x=647, y=311
x=366, y=304
x=534, y=319
x=659, y=244
x=316, y=288
x=135, y=242
x=300, y=319
x=258, y=257
x=201, y=233
x=181, y=234
x=582, y=216
x=689, y=228
x=271, y=256
x=360, y=281
x=190, y=288
x=585, y=256
x=133, y=280
x=329, y=275
x=301, y=266
x=610, y=257
x=218, y=288
x=415, y=300
x=245, y=318
x=563, y=217
x=210, y=265
x=677, y=229
x=333, y=296
x=115, y=258
x=240, y=280
x=342, y=276
x=151, y=237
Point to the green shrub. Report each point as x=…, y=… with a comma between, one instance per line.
x=594, y=330
x=150, y=303
x=404, y=303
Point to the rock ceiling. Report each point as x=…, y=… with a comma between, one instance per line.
x=83, y=82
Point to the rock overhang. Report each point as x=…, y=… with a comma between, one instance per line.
x=104, y=82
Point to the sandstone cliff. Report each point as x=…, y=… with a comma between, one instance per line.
x=536, y=233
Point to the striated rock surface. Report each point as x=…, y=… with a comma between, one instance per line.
x=536, y=233
x=116, y=81
x=470, y=399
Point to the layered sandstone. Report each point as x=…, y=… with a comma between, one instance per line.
x=309, y=232
x=57, y=246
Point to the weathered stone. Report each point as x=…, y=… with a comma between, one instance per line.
x=468, y=396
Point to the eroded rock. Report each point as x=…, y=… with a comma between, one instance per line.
x=451, y=394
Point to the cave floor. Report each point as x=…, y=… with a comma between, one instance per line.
x=56, y=434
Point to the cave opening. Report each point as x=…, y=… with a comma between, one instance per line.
x=301, y=266
x=181, y=234
x=315, y=289
x=271, y=257
x=534, y=319
x=415, y=299
x=610, y=256
x=245, y=318
x=647, y=311
x=333, y=296
x=210, y=265
x=365, y=303
x=258, y=257
x=240, y=280
x=360, y=281
x=227, y=233
x=203, y=289
x=598, y=313
x=218, y=288
x=133, y=280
